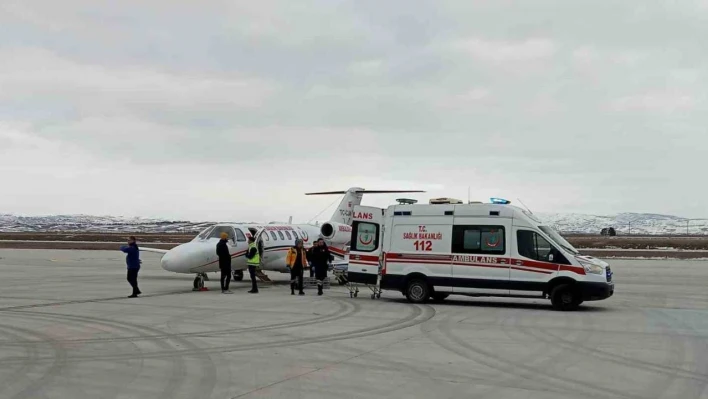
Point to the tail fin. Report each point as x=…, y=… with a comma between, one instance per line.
x=352, y=197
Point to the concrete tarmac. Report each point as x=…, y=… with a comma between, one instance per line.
x=67, y=330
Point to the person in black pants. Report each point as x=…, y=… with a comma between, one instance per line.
x=222, y=250
x=296, y=261
x=133, y=262
x=253, y=260
x=320, y=261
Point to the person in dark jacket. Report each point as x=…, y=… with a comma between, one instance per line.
x=133, y=262
x=321, y=257
x=309, y=257
x=222, y=251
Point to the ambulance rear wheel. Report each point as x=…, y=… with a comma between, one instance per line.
x=565, y=298
x=417, y=291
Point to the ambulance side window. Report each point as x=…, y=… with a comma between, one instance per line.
x=533, y=246
x=488, y=240
x=366, y=237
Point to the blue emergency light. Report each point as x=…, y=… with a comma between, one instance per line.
x=500, y=201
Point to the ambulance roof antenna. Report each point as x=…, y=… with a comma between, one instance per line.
x=527, y=208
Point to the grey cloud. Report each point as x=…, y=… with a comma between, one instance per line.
x=577, y=99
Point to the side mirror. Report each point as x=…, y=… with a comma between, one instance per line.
x=550, y=257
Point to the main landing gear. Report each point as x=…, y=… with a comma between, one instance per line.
x=199, y=281
x=238, y=275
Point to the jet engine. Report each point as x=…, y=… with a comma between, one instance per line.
x=336, y=233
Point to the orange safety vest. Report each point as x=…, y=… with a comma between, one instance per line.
x=292, y=257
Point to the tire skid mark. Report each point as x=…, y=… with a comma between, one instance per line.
x=696, y=389
x=30, y=357
x=420, y=314
x=565, y=384
x=351, y=309
x=514, y=380
x=620, y=359
x=175, y=382
x=58, y=362
x=81, y=301
x=546, y=356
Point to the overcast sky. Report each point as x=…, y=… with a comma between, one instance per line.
x=232, y=110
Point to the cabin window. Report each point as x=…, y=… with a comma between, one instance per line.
x=367, y=237
x=280, y=234
x=488, y=240
x=287, y=233
x=266, y=236
x=272, y=234
x=240, y=236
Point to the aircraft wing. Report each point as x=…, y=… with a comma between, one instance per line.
x=156, y=250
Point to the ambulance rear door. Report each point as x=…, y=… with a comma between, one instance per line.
x=366, y=245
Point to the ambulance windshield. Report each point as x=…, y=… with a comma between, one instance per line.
x=560, y=241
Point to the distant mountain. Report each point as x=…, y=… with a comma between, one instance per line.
x=103, y=224
x=568, y=223
x=637, y=223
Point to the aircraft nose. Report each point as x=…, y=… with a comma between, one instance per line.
x=167, y=261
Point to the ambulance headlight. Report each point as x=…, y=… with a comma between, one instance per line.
x=591, y=267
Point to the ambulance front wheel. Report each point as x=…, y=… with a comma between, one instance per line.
x=417, y=291
x=565, y=298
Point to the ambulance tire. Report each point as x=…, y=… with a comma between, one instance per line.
x=417, y=290
x=565, y=298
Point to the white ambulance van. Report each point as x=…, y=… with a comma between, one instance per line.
x=430, y=251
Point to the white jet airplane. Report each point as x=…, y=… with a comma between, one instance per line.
x=199, y=257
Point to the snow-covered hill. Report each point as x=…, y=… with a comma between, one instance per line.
x=640, y=223
x=624, y=223
x=103, y=224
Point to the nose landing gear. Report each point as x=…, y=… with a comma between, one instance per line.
x=199, y=282
x=238, y=275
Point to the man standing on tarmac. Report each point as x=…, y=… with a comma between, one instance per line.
x=133, y=261
x=222, y=251
x=296, y=261
x=320, y=261
x=253, y=260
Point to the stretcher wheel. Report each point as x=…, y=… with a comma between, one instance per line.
x=373, y=296
x=378, y=296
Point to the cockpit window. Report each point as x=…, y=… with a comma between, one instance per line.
x=204, y=234
x=216, y=233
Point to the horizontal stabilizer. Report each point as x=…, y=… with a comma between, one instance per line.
x=156, y=250
x=366, y=192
